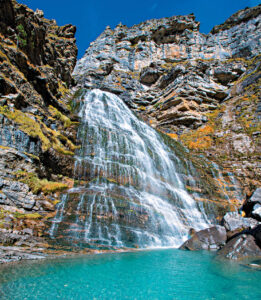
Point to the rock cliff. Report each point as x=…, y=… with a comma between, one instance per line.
x=203, y=90
x=37, y=126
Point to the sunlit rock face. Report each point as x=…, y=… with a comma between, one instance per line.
x=37, y=127
x=135, y=187
x=203, y=89
x=149, y=63
x=170, y=40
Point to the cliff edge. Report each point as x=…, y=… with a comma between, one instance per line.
x=37, y=125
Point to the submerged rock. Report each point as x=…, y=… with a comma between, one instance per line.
x=208, y=239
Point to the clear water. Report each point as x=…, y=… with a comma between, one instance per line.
x=159, y=274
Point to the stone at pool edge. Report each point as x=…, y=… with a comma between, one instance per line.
x=241, y=247
x=256, y=197
x=257, y=211
x=207, y=239
x=250, y=203
x=233, y=221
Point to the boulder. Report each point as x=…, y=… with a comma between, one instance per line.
x=256, y=197
x=233, y=222
x=240, y=247
x=256, y=232
x=257, y=211
x=207, y=239
x=251, y=204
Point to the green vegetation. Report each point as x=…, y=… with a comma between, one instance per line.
x=58, y=115
x=27, y=124
x=157, y=104
x=18, y=215
x=245, y=117
x=32, y=216
x=39, y=185
x=37, y=129
x=22, y=35
x=62, y=87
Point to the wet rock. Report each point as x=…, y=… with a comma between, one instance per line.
x=233, y=221
x=256, y=232
x=13, y=254
x=208, y=239
x=257, y=212
x=240, y=247
x=256, y=197
x=253, y=201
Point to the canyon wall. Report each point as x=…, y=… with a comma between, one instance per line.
x=37, y=125
x=203, y=90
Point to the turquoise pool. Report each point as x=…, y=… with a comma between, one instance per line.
x=158, y=274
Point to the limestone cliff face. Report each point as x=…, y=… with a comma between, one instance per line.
x=37, y=127
x=203, y=90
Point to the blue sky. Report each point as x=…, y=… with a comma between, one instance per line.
x=92, y=16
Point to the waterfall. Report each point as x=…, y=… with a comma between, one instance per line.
x=130, y=186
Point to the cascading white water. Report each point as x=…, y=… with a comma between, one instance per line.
x=130, y=189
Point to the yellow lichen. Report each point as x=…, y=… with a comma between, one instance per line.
x=200, y=143
x=173, y=136
x=37, y=129
x=27, y=124
x=58, y=115
x=62, y=88
x=4, y=147
x=39, y=185
x=32, y=216
x=142, y=108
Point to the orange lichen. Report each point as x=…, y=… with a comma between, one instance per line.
x=200, y=139
x=51, y=187
x=40, y=185
x=173, y=136
x=206, y=130
x=200, y=143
